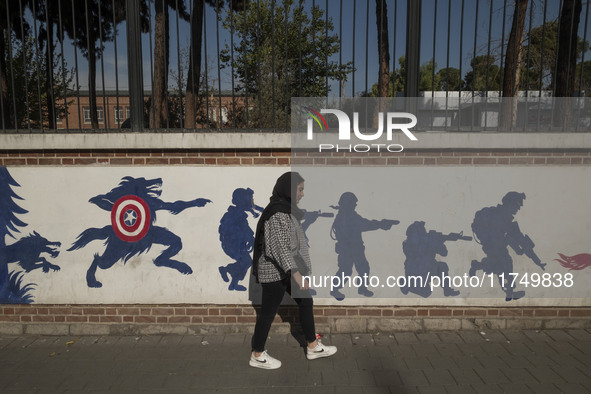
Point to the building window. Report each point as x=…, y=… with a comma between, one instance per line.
x=100, y=114
x=214, y=117
x=119, y=115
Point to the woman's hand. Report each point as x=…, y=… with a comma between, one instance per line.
x=304, y=285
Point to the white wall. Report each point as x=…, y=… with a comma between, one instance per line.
x=556, y=215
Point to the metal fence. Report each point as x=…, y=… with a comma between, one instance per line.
x=211, y=65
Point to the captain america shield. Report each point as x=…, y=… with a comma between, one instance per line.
x=130, y=218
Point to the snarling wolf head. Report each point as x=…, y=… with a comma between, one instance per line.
x=37, y=242
x=142, y=187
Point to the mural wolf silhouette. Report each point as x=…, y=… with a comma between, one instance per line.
x=133, y=205
x=27, y=251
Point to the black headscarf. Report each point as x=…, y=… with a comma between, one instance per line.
x=282, y=200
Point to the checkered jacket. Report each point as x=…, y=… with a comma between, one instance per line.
x=285, y=247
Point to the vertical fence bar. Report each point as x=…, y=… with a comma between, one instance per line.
x=527, y=63
x=259, y=77
x=179, y=70
x=487, y=65
x=106, y=116
x=542, y=63
x=64, y=87
x=51, y=115
x=152, y=114
x=117, y=108
x=367, y=46
x=273, y=63
x=217, y=23
x=447, y=64
x=353, y=45
x=206, y=69
x=582, y=65
x=80, y=121
x=37, y=63
x=341, y=83
x=134, y=61
x=232, y=68
x=473, y=70
x=413, y=48
x=12, y=70
x=461, y=60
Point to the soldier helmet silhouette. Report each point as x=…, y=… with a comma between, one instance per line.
x=416, y=228
x=347, y=200
x=513, y=198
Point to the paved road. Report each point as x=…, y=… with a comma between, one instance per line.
x=431, y=362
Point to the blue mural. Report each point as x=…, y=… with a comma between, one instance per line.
x=421, y=249
x=347, y=230
x=12, y=289
x=495, y=229
x=27, y=253
x=133, y=205
x=237, y=237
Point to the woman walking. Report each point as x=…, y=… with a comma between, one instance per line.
x=280, y=256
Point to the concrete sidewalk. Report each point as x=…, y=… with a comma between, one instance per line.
x=557, y=361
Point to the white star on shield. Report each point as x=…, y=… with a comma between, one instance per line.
x=130, y=217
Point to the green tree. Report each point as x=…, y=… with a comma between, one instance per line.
x=158, y=115
x=11, y=24
x=90, y=23
x=429, y=80
x=281, y=52
x=28, y=76
x=539, y=56
x=449, y=79
x=484, y=75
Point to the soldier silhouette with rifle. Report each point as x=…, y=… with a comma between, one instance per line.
x=495, y=229
x=421, y=249
x=347, y=230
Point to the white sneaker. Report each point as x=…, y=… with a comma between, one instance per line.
x=264, y=361
x=320, y=351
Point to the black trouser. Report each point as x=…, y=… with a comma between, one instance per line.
x=272, y=295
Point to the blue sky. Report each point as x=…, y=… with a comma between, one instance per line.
x=468, y=29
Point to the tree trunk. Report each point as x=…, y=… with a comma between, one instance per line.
x=512, y=66
x=194, y=73
x=158, y=110
x=564, y=85
x=384, y=57
x=49, y=79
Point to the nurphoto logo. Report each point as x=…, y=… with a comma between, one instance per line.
x=389, y=122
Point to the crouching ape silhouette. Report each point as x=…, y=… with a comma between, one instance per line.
x=421, y=266
x=495, y=229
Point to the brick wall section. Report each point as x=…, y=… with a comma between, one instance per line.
x=262, y=157
x=246, y=314
x=327, y=316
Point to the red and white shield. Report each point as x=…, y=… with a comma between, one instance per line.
x=130, y=218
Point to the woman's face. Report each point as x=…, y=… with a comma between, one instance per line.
x=299, y=192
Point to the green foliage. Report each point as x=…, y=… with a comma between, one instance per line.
x=449, y=79
x=539, y=56
x=283, y=51
x=484, y=75
x=27, y=90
